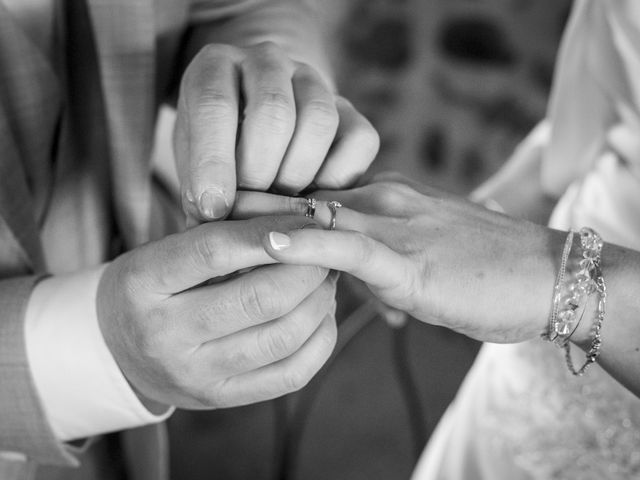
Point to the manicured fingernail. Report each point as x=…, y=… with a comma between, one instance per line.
x=213, y=204
x=279, y=241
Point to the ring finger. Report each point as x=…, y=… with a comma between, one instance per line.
x=257, y=204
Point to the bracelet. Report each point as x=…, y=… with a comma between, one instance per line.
x=590, y=264
x=578, y=278
x=553, y=327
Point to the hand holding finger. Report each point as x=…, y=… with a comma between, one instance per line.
x=152, y=331
x=293, y=129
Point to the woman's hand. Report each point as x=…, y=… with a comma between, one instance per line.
x=441, y=258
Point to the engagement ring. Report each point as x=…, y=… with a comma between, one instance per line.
x=333, y=207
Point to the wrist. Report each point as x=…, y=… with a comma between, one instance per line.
x=546, y=265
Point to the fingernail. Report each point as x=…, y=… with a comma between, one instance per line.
x=310, y=225
x=279, y=241
x=213, y=204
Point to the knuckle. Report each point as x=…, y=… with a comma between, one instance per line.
x=206, y=319
x=212, y=51
x=295, y=378
x=268, y=47
x=209, y=51
x=368, y=138
x=277, y=342
x=254, y=181
x=209, y=254
x=212, y=104
x=259, y=299
x=293, y=181
x=208, y=396
x=333, y=178
x=330, y=337
x=322, y=117
x=276, y=108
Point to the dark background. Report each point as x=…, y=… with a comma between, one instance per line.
x=452, y=86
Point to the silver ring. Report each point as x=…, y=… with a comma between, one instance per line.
x=311, y=208
x=333, y=207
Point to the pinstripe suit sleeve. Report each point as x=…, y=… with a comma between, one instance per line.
x=23, y=426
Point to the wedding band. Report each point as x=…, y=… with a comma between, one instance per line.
x=333, y=207
x=311, y=207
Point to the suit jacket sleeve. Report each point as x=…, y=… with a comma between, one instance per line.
x=292, y=24
x=23, y=425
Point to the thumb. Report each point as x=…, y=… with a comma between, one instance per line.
x=211, y=114
x=206, y=168
x=211, y=186
x=211, y=202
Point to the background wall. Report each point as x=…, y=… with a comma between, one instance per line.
x=452, y=86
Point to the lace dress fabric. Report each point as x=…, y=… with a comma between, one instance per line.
x=556, y=426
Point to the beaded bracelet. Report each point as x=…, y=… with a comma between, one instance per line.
x=578, y=278
x=591, y=244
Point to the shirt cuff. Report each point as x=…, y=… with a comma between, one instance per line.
x=82, y=390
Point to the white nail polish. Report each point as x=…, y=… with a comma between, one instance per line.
x=279, y=241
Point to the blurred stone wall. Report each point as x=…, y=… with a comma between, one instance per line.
x=451, y=85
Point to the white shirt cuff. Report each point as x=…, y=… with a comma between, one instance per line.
x=81, y=387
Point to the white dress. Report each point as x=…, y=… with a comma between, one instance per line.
x=519, y=414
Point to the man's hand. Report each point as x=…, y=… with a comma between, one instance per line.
x=182, y=340
x=255, y=119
